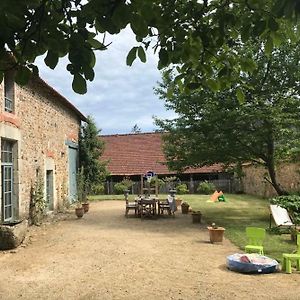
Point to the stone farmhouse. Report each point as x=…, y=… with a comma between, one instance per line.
x=39, y=139
x=132, y=155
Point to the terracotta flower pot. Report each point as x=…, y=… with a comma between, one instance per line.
x=185, y=208
x=196, y=217
x=86, y=207
x=216, y=234
x=79, y=211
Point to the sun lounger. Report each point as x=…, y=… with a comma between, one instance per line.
x=280, y=216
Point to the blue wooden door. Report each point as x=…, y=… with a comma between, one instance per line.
x=73, y=161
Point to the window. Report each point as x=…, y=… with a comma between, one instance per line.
x=7, y=180
x=9, y=91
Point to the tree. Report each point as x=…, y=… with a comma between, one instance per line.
x=136, y=129
x=191, y=35
x=262, y=126
x=91, y=147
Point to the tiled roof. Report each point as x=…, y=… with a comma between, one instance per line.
x=135, y=154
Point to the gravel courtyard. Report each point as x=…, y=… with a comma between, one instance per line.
x=107, y=256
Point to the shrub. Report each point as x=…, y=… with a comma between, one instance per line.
x=160, y=182
x=206, y=187
x=98, y=189
x=181, y=189
x=291, y=203
x=125, y=184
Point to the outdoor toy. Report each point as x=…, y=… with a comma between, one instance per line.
x=217, y=196
x=251, y=263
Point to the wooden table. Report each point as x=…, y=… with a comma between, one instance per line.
x=147, y=207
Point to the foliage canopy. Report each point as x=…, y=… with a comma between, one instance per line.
x=191, y=35
x=261, y=126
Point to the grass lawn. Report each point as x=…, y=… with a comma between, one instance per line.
x=238, y=212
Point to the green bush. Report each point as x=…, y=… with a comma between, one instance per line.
x=160, y=182
x=98, y=189
x=181, y=189
x=125, y=184
x=206, y=187
x=291, y=203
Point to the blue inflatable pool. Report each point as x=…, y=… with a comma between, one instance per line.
x=251, y=263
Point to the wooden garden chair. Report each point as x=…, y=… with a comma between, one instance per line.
x=131, y=205
x=168, y=205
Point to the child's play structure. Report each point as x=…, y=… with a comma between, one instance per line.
x=217, y=196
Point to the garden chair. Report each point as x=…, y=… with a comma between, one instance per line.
x=280, y=216
x=168, y=205
x=131, y=205
x=288, y=258
x=255, y=237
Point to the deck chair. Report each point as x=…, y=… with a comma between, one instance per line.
x=280, y=216
x=255, y=237
x=288, y=258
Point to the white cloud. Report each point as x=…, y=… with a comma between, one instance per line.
x=120, y=96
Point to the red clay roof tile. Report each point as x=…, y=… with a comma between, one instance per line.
x=135, y=154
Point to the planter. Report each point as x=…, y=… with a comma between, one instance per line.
x=216, y=234
x=185, y=208
x=79, y=211
x=13, y=234
x=196, y=217
x=86, y=207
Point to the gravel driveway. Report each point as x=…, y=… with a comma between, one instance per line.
x=107, y=256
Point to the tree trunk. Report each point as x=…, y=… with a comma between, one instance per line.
x=271, y=169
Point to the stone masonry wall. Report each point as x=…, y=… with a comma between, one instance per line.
x=288, y=176
x=41, y=124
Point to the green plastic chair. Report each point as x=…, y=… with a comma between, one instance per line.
x=255, y=237
x=288, y=258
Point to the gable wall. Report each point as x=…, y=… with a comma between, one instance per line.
x=41, y=125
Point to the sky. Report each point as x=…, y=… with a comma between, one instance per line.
x=120, y=96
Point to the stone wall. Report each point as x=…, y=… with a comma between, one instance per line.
x=40, y=125
x=288, y=176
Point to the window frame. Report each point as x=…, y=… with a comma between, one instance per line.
x=7, y=164
x=9, y=92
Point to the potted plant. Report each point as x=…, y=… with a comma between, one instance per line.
x=79, y=210
x=216, y=233
x=185, y=207
x=81, y=195
x=196, y=216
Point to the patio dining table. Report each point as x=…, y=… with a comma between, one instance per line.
x=147, y=206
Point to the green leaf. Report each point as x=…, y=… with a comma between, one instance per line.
x=131, y=56
x=240, y=95
x=245, y=33
x=272, y=24
x=142, y=54
x=277, y=38
x=163, y=57
x=269, y=45
x=79, y=84
x=51, y=59
x=248, y=65
x=23, y=75
x=214, y=85
x=96, y=44
x=89, y=73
